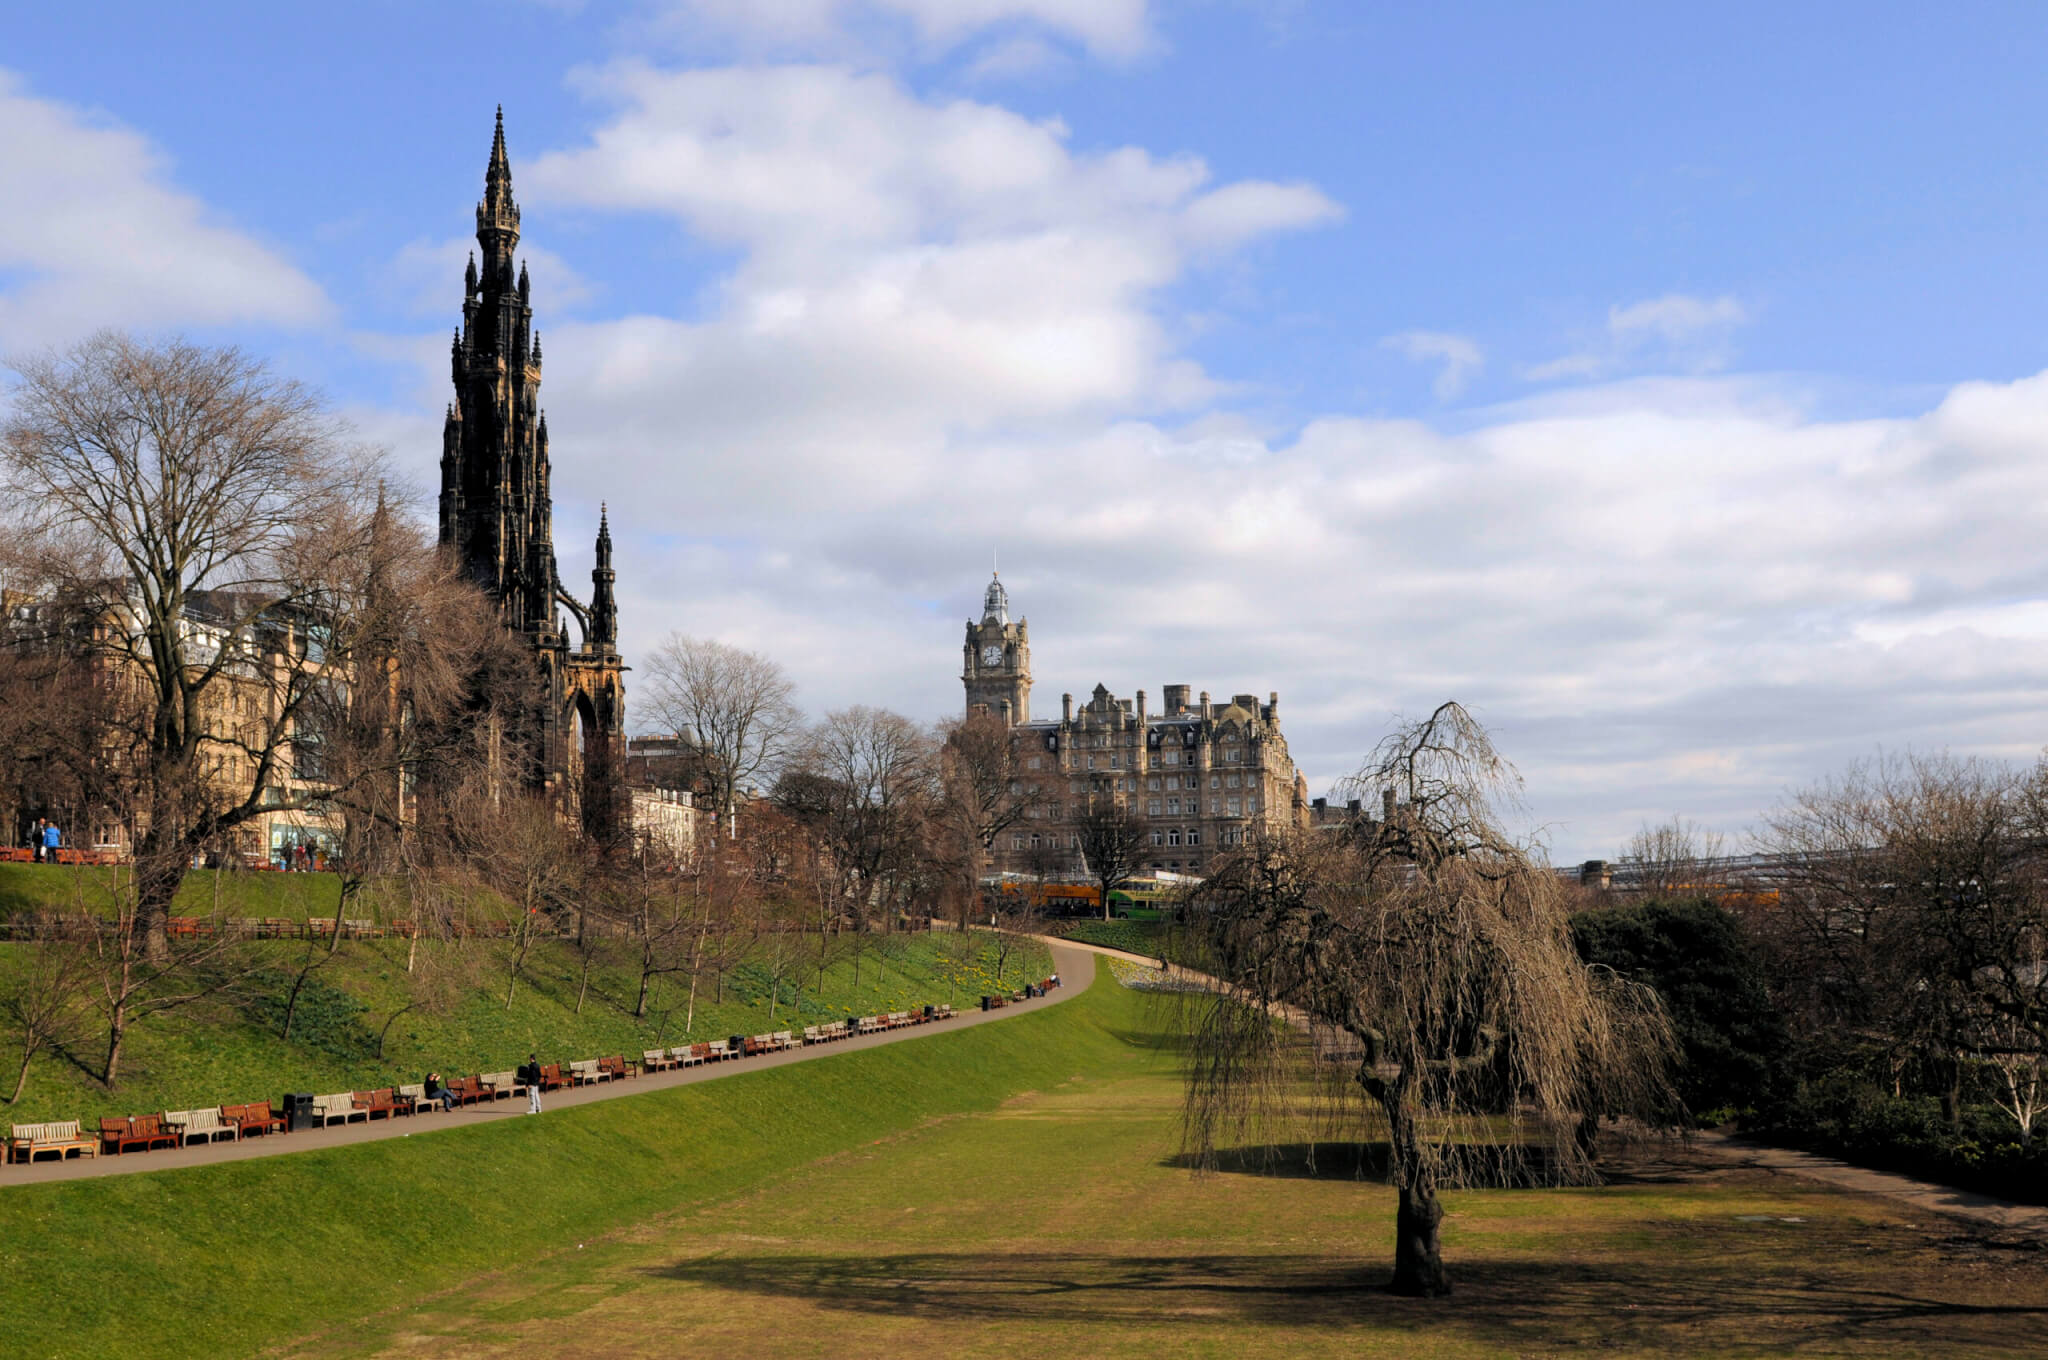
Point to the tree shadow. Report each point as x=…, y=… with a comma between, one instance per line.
x=1320, y=1161
x=1658, y=1307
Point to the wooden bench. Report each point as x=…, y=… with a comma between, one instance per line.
x=254, y=1118
x=552, y=1077
x=469, y=1090
x=616, y=1067
x=382, y=1103
x=200, y=1126
x=145, y=1131
x=587, y=1073
x=503, y=1085
x=718, y=1050
x=339, y=1107
x=61, y=1139
x=657, y=1060
x=416, y=1096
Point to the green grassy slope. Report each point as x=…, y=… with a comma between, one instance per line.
x=220, y=1260
x=55, y=887
x=226, y=1049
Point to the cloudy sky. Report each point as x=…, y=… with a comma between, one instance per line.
x=1666, y=383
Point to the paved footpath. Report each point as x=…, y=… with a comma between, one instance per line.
x=1075, y=966
x=2004, y=1214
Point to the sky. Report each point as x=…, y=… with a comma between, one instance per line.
x=1664, y=383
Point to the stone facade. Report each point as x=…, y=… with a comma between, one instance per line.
x=1202, y=775
x=497, y=508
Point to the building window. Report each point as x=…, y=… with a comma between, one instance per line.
x=1173, y=836
x=1235, y=780
x=1112, y=761
x=1159, y=838
x=1152, y=807
x=1173, y=757
x=1091, y=762
x=1016, y=842
x=1232, y=755
x=1235, y=808
x=1194, y=835
x=1153, y=783
x=1173, y=807
x=1034, y=842
x=1036, y=761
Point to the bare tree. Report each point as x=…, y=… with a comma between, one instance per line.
x=1673, y=857
x=1913, y=912
x=200, y=528
x=1435, y=952
x=737, y=708
x=1114, y=839
x=44, y=997
x=984, y=790
x=864, y=781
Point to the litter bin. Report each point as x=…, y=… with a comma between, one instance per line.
x=987, y=1003
x=298, y=1110
x=738, y=1044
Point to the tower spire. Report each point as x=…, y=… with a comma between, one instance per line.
x=497, y=216
x=604, y=609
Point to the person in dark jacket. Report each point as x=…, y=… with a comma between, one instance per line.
x=530, y=1075
x=437, y=1090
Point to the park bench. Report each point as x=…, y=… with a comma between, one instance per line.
x=471, y=1090
x=657, y=1060
x=870, y=1024
x=684, y=1055
x=718, y=1050
x=587, y=1073
x=813, y=1035
x=944, y=1011
x=503, y=1085
x=360, y=928
x=200, y=1126
x=145, y=1131
x=551, y=1077
x=19, y=854
x=416, y=1096
x=254, y=1118
x=784, y=1039
x=60, y=1139
x=382, y=1103
x=187, y=927
x=278, y=928
x=339, y=1108
x=616, y=1067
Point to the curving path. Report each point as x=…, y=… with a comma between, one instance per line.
x=1075, y=965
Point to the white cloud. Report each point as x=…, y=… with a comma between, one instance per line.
x=1117, y=29
x=1459, y=356
x=1677, y=330
x=910, y=267
x=96, y=235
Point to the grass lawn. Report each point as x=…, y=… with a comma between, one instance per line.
x=1059, y=1223
x=56, y=887
x=227, y=1048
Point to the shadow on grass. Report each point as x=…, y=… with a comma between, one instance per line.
x=1297, y=1161
x=1159, y=1041
x=1661, y=1307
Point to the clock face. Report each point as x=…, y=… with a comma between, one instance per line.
x=992, y=655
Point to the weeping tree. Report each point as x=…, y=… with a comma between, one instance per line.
x=1427, y=959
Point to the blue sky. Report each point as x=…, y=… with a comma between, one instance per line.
x=1662, y=381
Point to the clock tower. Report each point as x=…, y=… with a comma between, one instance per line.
x=997, y=665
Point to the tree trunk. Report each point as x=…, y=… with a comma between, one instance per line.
x=117, y=1034
x=1418, y=1257
x=158, y=877
x=28, y=1054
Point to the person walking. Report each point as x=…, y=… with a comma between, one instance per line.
x=35, y=840
x=52, y=838
x=530, y=1074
